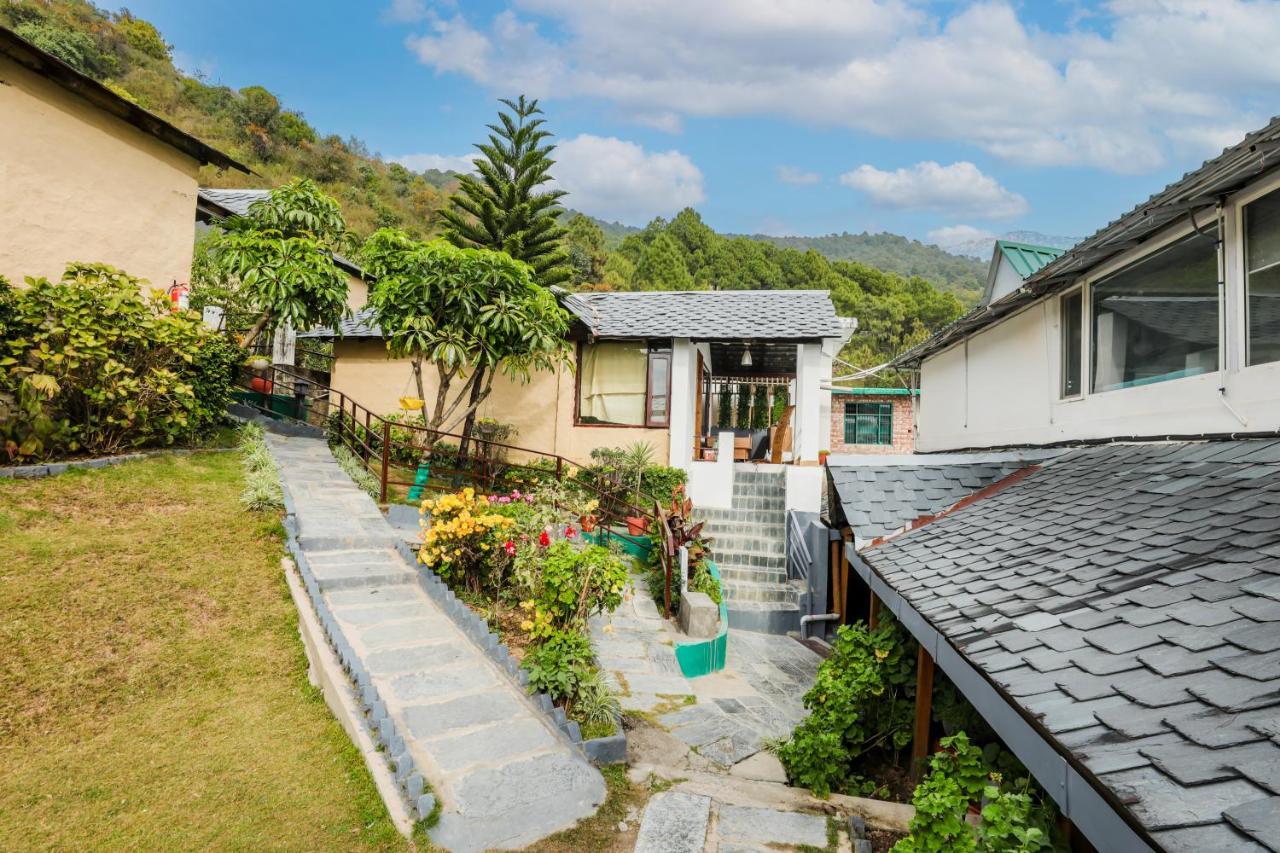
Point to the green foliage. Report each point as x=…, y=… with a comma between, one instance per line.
x=860, y=705
x=77, y=49
x=470, y=312
x=356, y=470
x=573, y=585
x=275, y=264
x=143, y=36
x=661, y=266
x=262, y=491
x=559, y=664
x=89, y=365
x=1016, y=817
x=501, y=207
x=660, y=482
x=596, y=703
x=701, y=580
x=585, y=245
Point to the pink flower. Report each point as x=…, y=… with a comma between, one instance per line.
x=569, y=532
x=545, y=539
x=515, y=493
x=509, y=547
x=504, y=500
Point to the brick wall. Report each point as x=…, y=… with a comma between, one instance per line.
x=904, y=437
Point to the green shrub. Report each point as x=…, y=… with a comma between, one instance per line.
x=355, y=469
x=660, y=482
x=90, y=365
x=77, y=49
x=595, y=703
x=861, y=703
x=262, y=491
x=1016, y=817
x=573, y=584
x=558, y=664
x=703, y=581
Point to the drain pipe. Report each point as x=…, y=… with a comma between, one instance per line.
x=1222, y=310
x=815, y=617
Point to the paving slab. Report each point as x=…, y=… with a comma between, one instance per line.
x=771, y=827
x=674, y=823
x=505, y=776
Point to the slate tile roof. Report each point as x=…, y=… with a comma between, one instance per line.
x=718, y=314
x=1128, y=596
x=359, y=325
x=881, y=499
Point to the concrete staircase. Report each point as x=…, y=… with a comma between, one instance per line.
x=750, y=550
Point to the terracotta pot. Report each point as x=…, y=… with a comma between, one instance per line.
x=588, y=522
x=637, y=526
x=262, y=385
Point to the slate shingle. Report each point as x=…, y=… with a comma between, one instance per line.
x=1160, y=565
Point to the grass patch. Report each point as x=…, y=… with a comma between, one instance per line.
x=153, y=688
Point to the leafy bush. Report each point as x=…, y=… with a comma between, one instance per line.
x=262, y=491
x=596, y=703
x=77, y=49
x=356, y=470
x=861, y=702
x=1014, y=818
x=660, y=482
x=703, y=581
x=90, y=365
x=573, y=584
x=559, y=664
x=465, y=538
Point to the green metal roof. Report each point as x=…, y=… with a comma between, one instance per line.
x=878, y=392
x=1026, y=258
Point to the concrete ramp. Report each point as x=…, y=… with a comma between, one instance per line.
x=450, y=717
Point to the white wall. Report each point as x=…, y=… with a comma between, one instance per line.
x=684, y=395
x=810, y=429
x=1001, y=386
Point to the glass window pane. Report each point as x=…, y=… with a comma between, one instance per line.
x=868, y=423
x=1072, y=333
x=659, y=380
x=1158, y=319
x=611, y=384
x=1262, y=278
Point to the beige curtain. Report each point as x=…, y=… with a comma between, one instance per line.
x=612, y=385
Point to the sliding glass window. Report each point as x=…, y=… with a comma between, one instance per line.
x=1158, y=319
x=1262, y=278
x=1072, y=308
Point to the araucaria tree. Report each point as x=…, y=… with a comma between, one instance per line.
x=473, y=313
x=502, y=206
x=275, y=265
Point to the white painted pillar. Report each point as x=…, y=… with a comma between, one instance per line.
x=684, y=395
x=808, y=414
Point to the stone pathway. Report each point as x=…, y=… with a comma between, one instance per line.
x=504, y=775
x=725, y=717
x=678, y=822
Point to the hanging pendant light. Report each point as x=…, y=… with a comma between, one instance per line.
x=746, y=355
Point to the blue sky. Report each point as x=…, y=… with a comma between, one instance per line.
x=934, y=120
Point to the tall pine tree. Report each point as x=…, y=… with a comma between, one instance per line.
x=502, y=207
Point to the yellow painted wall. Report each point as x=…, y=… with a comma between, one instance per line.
x=541, y=411
x=357, y=292
x=78, y=184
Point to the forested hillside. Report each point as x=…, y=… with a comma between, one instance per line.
x=131, y=57
x=884, y=280
x=963, y=276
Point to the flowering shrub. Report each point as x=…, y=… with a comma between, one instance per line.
x=466, y=538
x=573, y=584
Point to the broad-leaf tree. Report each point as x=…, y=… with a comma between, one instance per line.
x=472, y=313
x=276, y=265
x=504, y=206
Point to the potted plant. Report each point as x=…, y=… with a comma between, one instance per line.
x=588, y=519
x=634, y=460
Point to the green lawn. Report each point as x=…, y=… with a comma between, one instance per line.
x=153, y=688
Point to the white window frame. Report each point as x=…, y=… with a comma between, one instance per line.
x=1084, y=344
x=1236, y=276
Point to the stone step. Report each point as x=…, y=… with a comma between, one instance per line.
x=749, y=504
x=741, y=543
x=748, y=529
x=748, y=560
x=761, y=592
x=736, y=575
x=778, y=476
x=674, y=822
x=759, y=490
x=743, y=515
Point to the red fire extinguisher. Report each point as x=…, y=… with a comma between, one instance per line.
x=180, y=296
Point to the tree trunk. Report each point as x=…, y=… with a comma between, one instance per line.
x=251, y=336
x=474, y=404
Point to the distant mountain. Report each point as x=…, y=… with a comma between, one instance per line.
x=980, y=247
x=895, y=253
x=614, y=232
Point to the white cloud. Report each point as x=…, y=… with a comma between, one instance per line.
x=619, y=180
x=797, y=177
x=443, y=162
x=406, y=11
x=1120, y=95
x=960, y=189
x=955, y=238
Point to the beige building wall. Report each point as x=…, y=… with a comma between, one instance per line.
x=542, y=411
x=78, y=184
x=357, y=292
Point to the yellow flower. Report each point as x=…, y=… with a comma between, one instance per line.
x=881, y=654
x=526, y=625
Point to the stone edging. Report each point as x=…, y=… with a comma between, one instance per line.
x=52, y=469
x=382, y=729
x=600, y=751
